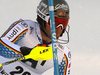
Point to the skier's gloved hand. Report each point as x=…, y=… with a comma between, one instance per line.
x=43, y=45
x=26, y=50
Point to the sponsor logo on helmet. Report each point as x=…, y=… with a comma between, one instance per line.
x=61, y=6
x=43, y=4
x=40, y=14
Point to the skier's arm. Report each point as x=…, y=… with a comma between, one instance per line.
x=8, y=40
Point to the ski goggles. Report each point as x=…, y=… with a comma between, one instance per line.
x=61, y=18
x=63, y=22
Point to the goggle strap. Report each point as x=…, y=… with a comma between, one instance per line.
x=43, y=16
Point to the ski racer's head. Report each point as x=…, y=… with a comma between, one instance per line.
x=61, y=14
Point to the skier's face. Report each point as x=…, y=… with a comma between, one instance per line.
x=58, y=30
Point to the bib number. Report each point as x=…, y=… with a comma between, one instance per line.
x=19, y=70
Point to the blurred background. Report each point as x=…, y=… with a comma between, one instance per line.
x=84, y=30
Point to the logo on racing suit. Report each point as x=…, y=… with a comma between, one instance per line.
x=13, y=33
x=24, y=24
x=16, y=30
x=69, y=54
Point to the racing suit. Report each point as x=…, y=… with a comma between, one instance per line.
x=27, y=33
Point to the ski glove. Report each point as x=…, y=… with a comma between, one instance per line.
x=26, y=50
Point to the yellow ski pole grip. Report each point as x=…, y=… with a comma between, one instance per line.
x=0, y=65
x=40, y=53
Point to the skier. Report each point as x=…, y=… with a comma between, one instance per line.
x=27, y=33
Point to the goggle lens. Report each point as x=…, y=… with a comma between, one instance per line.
x=63, y=21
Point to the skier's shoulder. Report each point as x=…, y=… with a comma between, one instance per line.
x=30, y=22
x=26, y=23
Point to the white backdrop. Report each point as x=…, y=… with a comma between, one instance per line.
x=84, y=30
